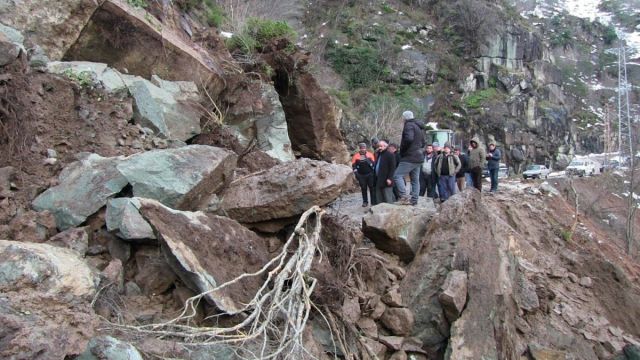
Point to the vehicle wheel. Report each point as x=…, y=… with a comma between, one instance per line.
x=546, y=176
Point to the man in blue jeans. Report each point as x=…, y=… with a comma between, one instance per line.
x=411, y=159
x=493, y=163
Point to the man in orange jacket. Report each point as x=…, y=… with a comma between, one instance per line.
x=362, y=164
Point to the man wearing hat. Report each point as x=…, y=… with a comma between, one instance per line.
x=411, y=158
x=477, y=160
x=362, y=163
x=493, y=160
x=447, y=166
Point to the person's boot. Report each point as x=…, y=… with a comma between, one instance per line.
x=404, y=201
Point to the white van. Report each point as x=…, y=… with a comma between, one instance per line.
x=582, y=167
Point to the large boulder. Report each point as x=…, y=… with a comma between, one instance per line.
x=84, y=187
x=182, y=178
x=207, y=251
x=285, y=190
x=164, y=108
x=255, y=113
x=464, y=236
x=45, y=296
x=10, y=44
x=53, y=24
x=49, y=269
x=149, y=47
x=314, y=120
x=398, y=229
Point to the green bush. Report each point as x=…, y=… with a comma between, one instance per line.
x=138, y=3
x=358, y=66
x=477, y=98
x=215, y=15
x=258, y=32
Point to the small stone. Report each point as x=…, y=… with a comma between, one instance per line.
x=398, y=320
x=559, y=272
x=368, y=327
x=522, y=325
x=120, y=142
x=75, y=239
x=97, y=249
x=114, y=274
x=586, y=282
x=542, y=353
x=392, y=342
x=454, y=294
x=52, y=154
x=392, y=297
x=399, y=355
x=376, y=347
x=573, y=277
x=412, y=345
x=351, y=309
x=50, y=161
x=615, y=331
x=132, y=289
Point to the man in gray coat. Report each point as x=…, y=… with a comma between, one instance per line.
x=411, y=159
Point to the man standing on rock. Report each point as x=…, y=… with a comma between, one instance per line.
x=385, y=167
x=393, y=148
x=477, y=160
x=447, y=166
x=362, y=163
x=493, y=159
x=460, y=175
x=411, y=158
x=428, y=176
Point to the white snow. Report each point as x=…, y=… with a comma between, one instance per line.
x=225, y=34
x=406, y=47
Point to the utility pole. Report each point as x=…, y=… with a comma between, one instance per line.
x=625, y=141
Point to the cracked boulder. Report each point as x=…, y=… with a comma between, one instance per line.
x=285, y=190
x=84, y=187
x=182, y=178
x=207, y=251
x=123, y=217
x=397, y=229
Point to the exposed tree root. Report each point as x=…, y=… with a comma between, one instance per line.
x=276, y=316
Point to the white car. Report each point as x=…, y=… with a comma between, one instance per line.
x=536, y=172
x=582, y=167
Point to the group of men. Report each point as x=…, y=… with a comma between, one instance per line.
x=435, y=172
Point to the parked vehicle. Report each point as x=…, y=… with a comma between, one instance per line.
x=536, y=172
x=582, y=167
x=503, y=172
x=610, y=165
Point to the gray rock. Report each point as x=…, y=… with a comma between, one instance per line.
x=160, y=110
x=48, y=269
x=454, y=294
x=415, y=67
x=271, y=127
x=285, y=190
x=75, y=239
x=37, y=57
x=586, y=282
x=198, y=248
x=107, y=347
x=84, y=187
x=12, y=34
x=526, y=296
x=99, y=74
x=9, y=50
x=122, y=216
x=397, y=229
x=132, y=289
x=541, y=353
x=547, y=188
x=182, y=178
x=632, y=352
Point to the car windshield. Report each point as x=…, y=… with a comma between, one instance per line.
x=533, y=167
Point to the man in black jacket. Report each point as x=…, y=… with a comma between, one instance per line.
x=384, y=168
x=411, y=158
